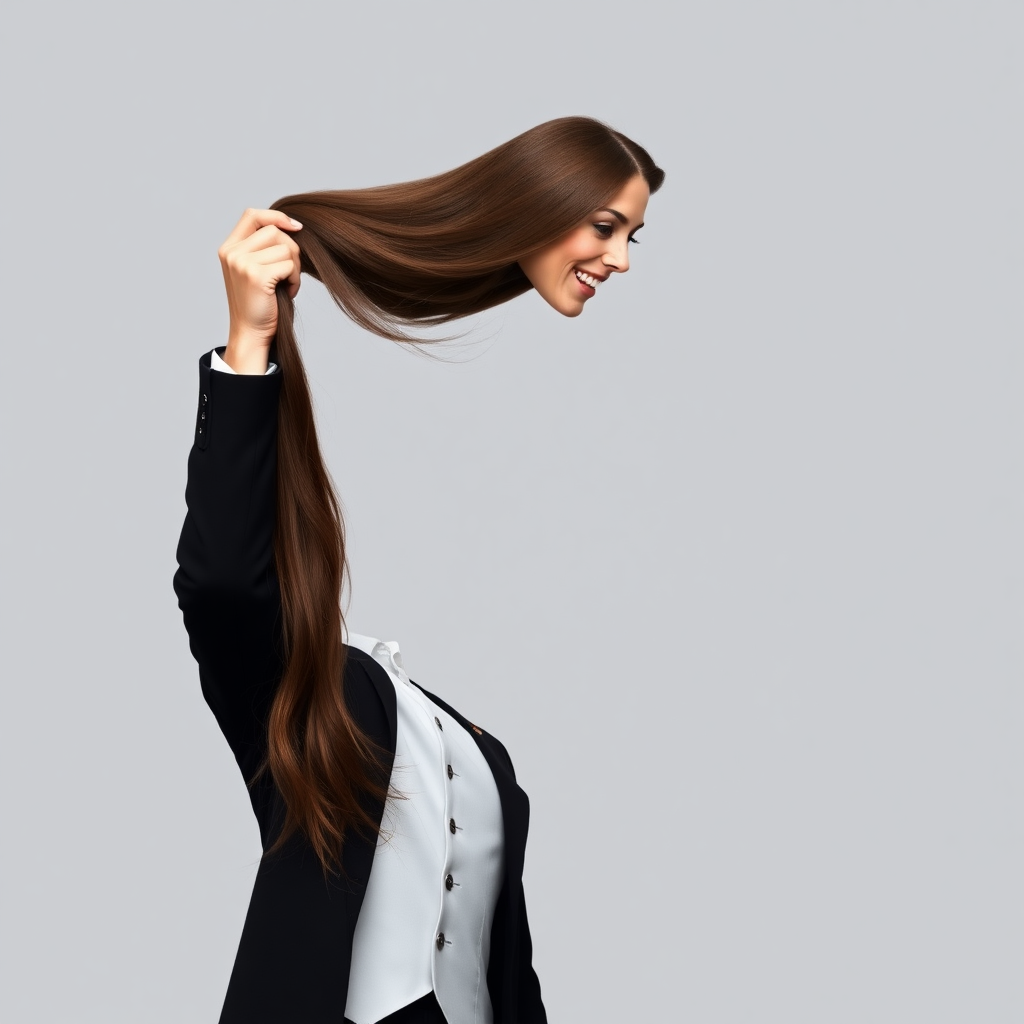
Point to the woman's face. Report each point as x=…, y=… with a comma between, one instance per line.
x=570, y=270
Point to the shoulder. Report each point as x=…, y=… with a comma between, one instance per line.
x=370, y=697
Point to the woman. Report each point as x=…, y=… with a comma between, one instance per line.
x=375, y=772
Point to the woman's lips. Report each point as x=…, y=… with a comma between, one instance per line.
x=584, y=287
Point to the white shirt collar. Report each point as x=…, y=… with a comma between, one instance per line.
x=385, y=652
x=216, y=363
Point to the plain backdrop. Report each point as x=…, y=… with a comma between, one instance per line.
x=732, y=563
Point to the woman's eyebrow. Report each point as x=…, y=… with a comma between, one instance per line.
x=622, y=219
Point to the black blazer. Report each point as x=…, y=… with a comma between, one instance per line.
x=293, y=959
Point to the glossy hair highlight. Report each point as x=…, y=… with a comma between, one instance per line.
x=394, y=257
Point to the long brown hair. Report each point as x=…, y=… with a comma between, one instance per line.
x=418, y=253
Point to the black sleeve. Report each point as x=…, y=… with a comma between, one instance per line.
x=226, y=581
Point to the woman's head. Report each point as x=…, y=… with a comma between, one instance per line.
x=585, y=187
x=569, y=270
x=434, y=250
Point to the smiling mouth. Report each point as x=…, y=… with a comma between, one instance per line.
x=588, y=279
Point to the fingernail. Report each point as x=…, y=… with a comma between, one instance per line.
x=294, y=222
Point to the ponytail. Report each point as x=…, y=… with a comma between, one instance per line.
x=320, y=760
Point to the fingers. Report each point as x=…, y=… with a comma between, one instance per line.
x=252, y=220
x=261, y=239
x=285, y=261
x=269, y=248
x=284, y=272
x=273, y=254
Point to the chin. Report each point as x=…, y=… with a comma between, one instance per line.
x=567, y=308
x=563, y=304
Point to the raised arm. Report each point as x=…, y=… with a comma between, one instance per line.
x=226, y=582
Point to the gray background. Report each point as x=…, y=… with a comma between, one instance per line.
x=732, y=563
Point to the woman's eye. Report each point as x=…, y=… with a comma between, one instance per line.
x=605, y=231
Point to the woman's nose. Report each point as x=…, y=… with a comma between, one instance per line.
x=616, y=259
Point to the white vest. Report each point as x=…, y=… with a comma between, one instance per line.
x=425, y=922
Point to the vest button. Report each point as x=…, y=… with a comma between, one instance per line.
x=449, y=882
x=440, y=941
x=451, y=825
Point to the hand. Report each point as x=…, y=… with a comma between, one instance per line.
x=254, y=258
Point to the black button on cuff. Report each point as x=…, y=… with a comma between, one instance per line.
x=203, y=414
x=451, y=825
x=437, y=722
x=440, y=941
x=449, y=882
x=450, y=772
